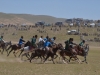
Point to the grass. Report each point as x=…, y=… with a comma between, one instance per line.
x=15, y=67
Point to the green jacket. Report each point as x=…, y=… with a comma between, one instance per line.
x=0, y=39
x=33, y=41
x=81, y=44
x=67, y=44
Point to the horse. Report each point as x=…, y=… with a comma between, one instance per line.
x=64, y=53
x=82, y=51
x=15, y=47
x=33, y=50
x=4, y=45
x=52, y=51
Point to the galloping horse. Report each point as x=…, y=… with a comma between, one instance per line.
x=39, y=52
x=35, y=51
x=15, y=47
x=82, y=51
x=52, y=52
x=4, y=45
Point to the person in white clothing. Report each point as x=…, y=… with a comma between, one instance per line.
x=41, y=42
x=41, y=39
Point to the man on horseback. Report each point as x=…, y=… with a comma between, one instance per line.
x=33, y=41
x=45, y=39
x=41, y=39
x=53, y=40
x=47, y=45
x=21, y=41
x=1, y=39
x=69, y=45
x=81, y=44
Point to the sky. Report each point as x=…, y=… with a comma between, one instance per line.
x=86, y=9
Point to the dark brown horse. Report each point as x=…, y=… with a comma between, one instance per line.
x=53, y=52
x=15, y=47
x=43, y=53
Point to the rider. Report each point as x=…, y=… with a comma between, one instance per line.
x=53, y=40
x=1, y=39
x=47, y=44
x=21, y=41
x=45, y=39
x=69, y=45
x=41, y=39
x=81, y=44
x=33, y=41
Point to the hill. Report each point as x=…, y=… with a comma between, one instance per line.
x=6, y=18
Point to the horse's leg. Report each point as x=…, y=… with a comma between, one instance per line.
x=46, y=59
x=22, y=56
x=84, y=59
x=21, y=52
x=32, y=56
x=9, y=52
x=27, y=54
x=2, y=51
x=70, y=59
x=8, y=49
x=79, y=61
x=52, y=57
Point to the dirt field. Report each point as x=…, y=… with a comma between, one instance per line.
x=15, y=66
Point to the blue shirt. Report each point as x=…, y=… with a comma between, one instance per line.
x=20, y=41
x=47, y=44
x=45, y=39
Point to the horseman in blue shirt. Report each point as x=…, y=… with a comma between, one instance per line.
x=45, y=39
x=21, y=41
x=47, y=45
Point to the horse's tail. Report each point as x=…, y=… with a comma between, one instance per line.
x=9, y=47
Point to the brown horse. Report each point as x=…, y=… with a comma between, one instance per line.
x=15, y=47
x=4, y=46
x=53, y=51
x=64, y=53
x=43, y=53
x=82, y=51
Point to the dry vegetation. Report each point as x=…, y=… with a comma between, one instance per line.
x=14, y=66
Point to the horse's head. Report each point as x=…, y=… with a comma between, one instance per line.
x=28, y=43
x=9, y=43
x=60, y=46
x=86, y=48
